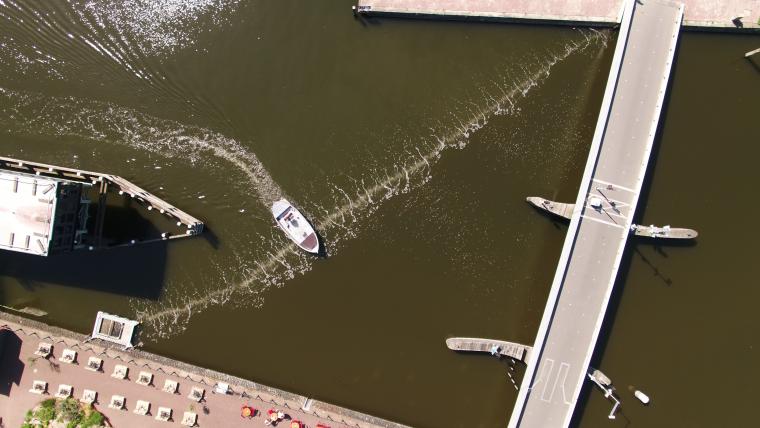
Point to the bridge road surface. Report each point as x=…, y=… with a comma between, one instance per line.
x=596, y=237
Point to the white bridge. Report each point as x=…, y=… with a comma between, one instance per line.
x=602, y=215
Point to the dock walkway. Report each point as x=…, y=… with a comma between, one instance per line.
x=599, y=229
x=507, y=349
x=736, y=15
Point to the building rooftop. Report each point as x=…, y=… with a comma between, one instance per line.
x=27, y=212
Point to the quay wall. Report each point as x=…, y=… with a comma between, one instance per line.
x=160, y=364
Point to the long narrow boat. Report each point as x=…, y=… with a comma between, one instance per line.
x=295, y=225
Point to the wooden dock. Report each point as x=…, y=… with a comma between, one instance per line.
x=557, y=208
x=507, y=349
x=566, y=211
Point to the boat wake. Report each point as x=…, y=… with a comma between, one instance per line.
x=352, y=207
x=122, y=42
x=32, y=114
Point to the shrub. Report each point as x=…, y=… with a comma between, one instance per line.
x=94, y=419
x=69, y=410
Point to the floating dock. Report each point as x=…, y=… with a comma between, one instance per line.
x=557, y=208
x=663, y=232
x=566, y=211
x=46, y=209
x=507, y=349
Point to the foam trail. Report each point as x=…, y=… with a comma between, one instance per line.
x=28, y=113
x=166, y=321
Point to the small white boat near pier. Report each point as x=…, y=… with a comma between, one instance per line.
x=295, y=225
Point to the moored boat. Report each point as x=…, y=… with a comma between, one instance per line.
x=295, y=225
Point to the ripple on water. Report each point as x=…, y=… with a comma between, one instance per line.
x=122, y=42
x=352, y=206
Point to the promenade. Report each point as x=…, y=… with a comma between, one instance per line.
x=705, y=14
x=19, y=339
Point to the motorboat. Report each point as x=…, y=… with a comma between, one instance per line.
x=295, y=225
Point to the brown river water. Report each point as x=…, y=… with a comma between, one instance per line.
x=411, y=145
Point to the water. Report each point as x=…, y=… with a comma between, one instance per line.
x=411, y=145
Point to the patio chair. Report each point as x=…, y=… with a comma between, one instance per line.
x=196, y=394
x=142, y=407
x=39, y=387
x=189, y=419
x=69, y=356
x=164, y=414
x=120, y=372
x=117, y=402
x=44, y=350
x=94, y=364
x=171, y=386
x=64, y=391
x=89, y=396
x=144, y=379
x=222, y=388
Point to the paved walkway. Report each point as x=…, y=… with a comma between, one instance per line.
x=20, y=368
x=697, y=13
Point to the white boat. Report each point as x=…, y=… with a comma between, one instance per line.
x=642, y=397
x=293, y=223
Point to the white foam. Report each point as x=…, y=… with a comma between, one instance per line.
x=35, y=114
x=161, y=26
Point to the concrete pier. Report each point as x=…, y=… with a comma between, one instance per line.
x=738, y=15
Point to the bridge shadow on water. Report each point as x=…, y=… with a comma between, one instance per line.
x=133, y=270
x=632, y=252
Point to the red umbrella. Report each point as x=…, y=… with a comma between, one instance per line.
x=247, y=411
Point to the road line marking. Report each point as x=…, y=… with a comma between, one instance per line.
x=614, y=185
x=602, y=221
x=607, y=198
x=554, y=385
x=549, y=367
x=564, y=368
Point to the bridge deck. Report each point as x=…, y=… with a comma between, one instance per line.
x=596, y=237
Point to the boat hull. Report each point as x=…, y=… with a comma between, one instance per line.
x=295, y=226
